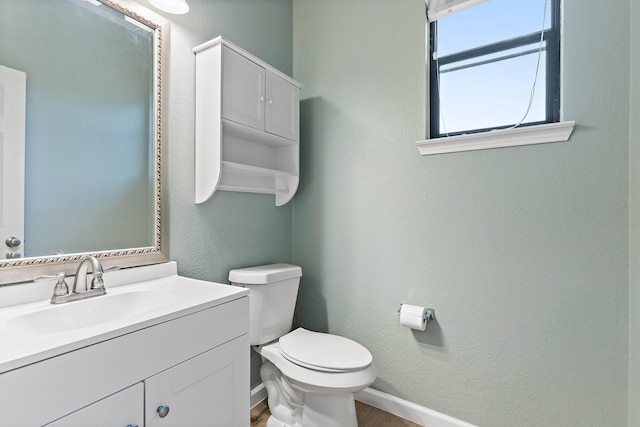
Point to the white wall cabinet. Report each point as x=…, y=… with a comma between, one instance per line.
x=197, y=365
x=243, y=90
x=247, y=124
x=282, y=114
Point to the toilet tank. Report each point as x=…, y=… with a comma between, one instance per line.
x=272, y=301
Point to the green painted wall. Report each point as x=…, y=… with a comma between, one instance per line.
x=634, y=222
x=231, y=230
x=521, y=251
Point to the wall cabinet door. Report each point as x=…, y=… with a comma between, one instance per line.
x=122, y=409
x=211, y=389
x=282, y=112
x=243, y=90
x=258, y=98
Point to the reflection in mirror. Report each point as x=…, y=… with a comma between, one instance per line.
x=91, y=134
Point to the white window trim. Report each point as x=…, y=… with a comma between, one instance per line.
x=437, y=9
x=526, y=135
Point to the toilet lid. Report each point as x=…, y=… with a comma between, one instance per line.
x=324, y=352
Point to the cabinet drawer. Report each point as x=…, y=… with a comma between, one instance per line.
x=119, y=410
x=48, y=390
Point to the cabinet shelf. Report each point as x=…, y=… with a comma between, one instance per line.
x=254, y=170
x=241, y=131
x=259, y=190
x=247, y=124
x=253, y=179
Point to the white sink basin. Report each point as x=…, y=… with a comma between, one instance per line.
x=55, y=318
x=136, y=298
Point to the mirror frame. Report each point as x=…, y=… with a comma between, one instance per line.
x=27, y=269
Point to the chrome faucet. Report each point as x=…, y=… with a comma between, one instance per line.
x=80, y=282
x=79, y=290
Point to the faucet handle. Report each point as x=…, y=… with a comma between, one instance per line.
x=61, y=287
x=97, y=282
x=50, y=277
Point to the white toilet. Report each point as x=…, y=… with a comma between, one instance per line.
x=310, y=377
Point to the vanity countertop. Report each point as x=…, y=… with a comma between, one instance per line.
x=136, y=298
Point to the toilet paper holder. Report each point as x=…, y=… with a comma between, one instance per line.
x=429, y=315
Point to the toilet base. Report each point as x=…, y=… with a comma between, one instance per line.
x=329, y=410
x=292, y=407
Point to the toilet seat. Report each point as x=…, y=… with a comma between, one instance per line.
x=324, y=352
x=312, y=379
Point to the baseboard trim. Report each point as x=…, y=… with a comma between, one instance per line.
x=394, y=405
x=258, y=394
x=407, y=410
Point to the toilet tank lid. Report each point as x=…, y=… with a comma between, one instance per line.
x=264, y=274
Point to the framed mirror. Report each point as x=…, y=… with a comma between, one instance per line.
x=80, y=135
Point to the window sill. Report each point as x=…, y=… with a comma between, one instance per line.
x=538, y=134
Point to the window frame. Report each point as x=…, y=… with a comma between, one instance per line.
x=551, y=37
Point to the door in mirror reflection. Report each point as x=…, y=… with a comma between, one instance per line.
x=12, y=129
x=89, y=124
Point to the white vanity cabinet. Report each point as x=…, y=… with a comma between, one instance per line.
x=125, y=408
x=194, y=363
x=202, y=391
x=247, y=124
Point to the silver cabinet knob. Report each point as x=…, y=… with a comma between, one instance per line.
x=163, y=411
x=14, y=255
x=13, y=242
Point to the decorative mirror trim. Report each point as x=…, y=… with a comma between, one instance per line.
x=26, y=269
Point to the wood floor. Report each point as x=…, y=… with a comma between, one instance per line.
x=368, y=416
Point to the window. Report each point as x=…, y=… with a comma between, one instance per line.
x=484, y=61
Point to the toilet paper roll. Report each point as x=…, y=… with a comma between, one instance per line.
x=413, y=316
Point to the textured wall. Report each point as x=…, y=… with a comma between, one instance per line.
x=634, y=221
x=521, y=251
x=230, y=230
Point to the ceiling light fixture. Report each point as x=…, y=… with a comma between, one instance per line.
x=177, y=7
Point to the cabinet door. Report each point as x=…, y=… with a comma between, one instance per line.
x=243, y=90
x=282, y=112
x=122, y=409
x=211, y=390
